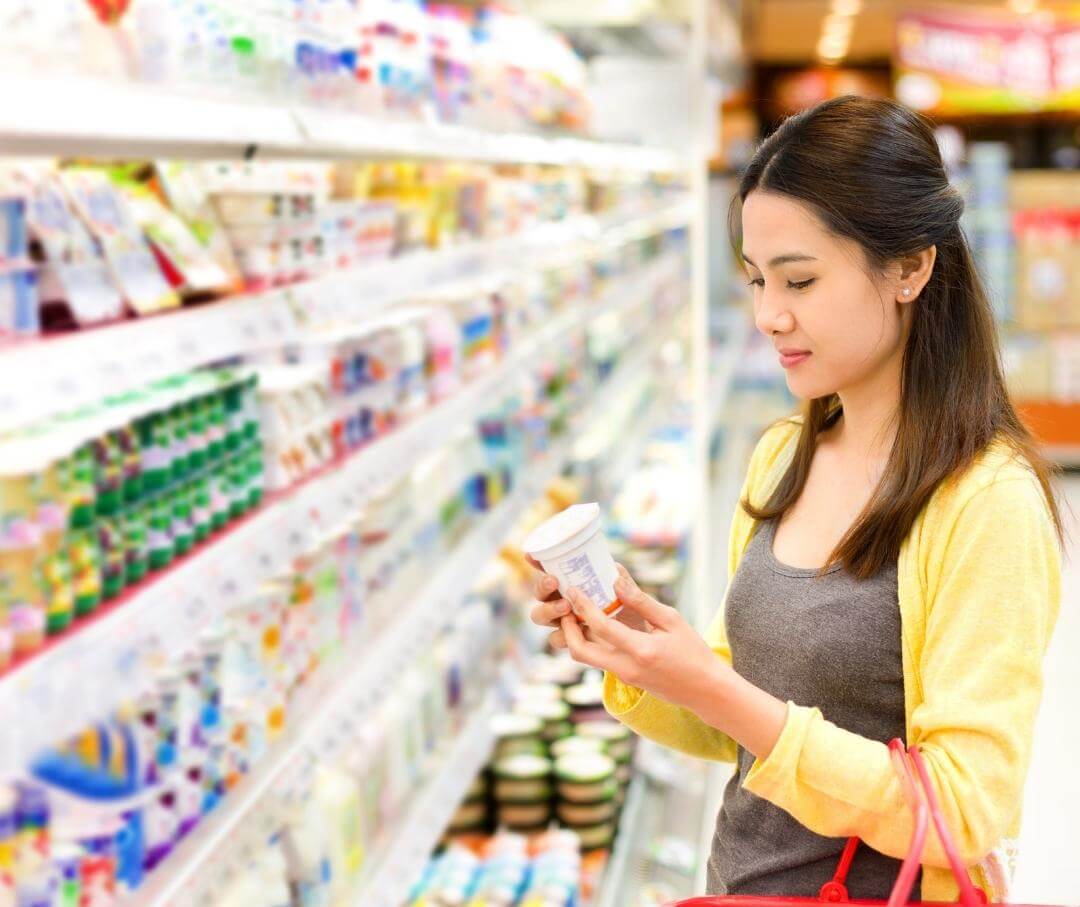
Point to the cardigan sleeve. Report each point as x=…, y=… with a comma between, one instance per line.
x=668, y=724
x=993, y=589
x=659, y=720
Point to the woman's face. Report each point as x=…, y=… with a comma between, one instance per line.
x=834, y=327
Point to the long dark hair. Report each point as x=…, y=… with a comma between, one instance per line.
x=872, y=172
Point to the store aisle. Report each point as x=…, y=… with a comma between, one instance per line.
x=1047, y=872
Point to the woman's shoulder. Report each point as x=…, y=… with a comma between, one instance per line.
x=1000, y=474
x=772, y=454
x=776, y=438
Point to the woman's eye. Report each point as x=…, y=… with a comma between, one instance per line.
x=757, y=282
x=800, y=284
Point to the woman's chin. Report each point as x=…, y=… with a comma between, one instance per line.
x=805, y=388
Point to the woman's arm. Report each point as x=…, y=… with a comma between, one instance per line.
x=673, y=726
x=653, y=717
x=993, y=600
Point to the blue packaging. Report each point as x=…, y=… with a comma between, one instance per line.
x=14, y=239
x=130, y=845
x=19, y=310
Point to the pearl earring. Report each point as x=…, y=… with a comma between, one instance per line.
x=907, y=291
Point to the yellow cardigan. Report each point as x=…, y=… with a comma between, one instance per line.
x=979, y=588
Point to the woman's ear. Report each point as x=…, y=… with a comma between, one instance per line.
x=915, y=271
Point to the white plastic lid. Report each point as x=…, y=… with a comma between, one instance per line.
x=544, y=709
x=603, y=730
x=585, y=694
x=542, y=691
x=524, y=767
x=513, y=724
x=584, y=767
x=575, y=746
x=564, y=530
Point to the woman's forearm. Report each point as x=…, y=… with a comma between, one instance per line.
x=673, y=662
x=746, y=713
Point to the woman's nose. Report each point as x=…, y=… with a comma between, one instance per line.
x=771, y=318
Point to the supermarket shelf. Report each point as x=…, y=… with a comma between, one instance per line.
x=83, y=117
x=737, y=327
x=726, y=486
x=401, y=863
x=361, y=686
x=412, y=631
x=171, y=608
x=657, y=847
x=430, y=813
x=71, y=370
x=613, y=888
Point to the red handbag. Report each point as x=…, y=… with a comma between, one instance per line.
x=919, y=793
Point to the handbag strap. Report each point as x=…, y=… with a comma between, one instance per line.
x=922, y=799
x=970, y=896
x=909, y=869
x=835, y=891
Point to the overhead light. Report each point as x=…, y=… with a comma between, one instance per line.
x=832, y=50
x=847, y=7
x=832, y=42
x=837, y=25
x=1024, y=7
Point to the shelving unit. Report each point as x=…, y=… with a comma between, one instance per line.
x=82, y=673
x=622, y=855
x=172, y=607
x=344, y=699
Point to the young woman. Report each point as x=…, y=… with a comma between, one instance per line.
x=894, y=561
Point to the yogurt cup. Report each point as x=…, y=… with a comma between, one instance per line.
x=572, y=548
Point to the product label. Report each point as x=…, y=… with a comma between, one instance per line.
x=579, y=571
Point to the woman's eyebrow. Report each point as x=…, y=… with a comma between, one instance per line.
x=783, y=259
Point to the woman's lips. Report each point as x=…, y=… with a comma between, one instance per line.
x=792, y=358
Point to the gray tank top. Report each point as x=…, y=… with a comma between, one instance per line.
x=832, y=642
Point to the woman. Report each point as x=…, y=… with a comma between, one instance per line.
x=894, y=560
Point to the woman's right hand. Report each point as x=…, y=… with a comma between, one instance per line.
x=551, y=607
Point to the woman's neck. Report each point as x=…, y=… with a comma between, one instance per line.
x=867, y=428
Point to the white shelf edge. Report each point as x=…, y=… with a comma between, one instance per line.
x=80, y=116
x=255, y=551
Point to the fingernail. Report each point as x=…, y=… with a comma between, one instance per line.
x=562, y=607
x=576, y=605
x=622, y=587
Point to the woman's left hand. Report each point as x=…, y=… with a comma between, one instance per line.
x=669, y=660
